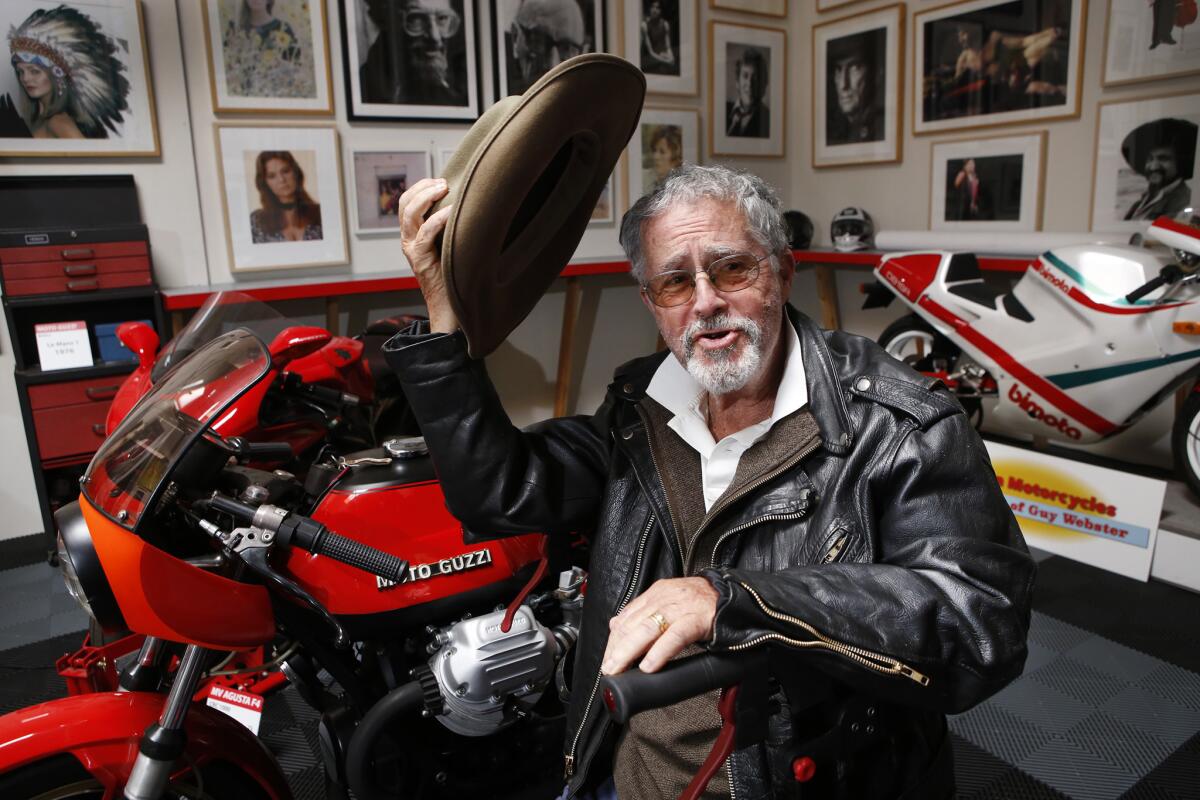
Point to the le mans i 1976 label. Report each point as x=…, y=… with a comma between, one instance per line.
x=446, y=566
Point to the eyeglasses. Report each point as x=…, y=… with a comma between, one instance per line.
x=731, y=273
x=422, y=23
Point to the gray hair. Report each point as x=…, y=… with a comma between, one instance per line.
x=753, y=196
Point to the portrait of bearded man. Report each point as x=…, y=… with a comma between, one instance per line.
x=419, y=56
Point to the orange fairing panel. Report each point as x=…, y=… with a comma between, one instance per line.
x=163, y=596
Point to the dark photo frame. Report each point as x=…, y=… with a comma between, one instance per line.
x=582, y=32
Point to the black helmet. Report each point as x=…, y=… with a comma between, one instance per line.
x=800, y=229
x=852, y=229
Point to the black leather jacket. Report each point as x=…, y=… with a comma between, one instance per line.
x=883, y=555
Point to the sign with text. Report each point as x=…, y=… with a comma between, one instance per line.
x=245, y=707
x=63, y=345
x=1103, y=517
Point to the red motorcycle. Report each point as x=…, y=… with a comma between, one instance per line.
x=384, y=620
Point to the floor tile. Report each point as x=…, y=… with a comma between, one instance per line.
x=1048, y=709
x=1076, y=772
x=1117, y=660
x=1170, y=722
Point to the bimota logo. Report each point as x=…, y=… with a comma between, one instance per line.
x=1051, y=278
x=1026, y=404
x=899, y=282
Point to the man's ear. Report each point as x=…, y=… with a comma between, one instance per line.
x=787, y=271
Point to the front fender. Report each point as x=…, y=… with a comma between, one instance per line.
x=103, y=731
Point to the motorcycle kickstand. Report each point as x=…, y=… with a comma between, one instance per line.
x=163, y=742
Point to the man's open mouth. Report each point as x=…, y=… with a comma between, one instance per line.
x=714, y=340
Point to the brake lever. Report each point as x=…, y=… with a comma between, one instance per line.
x=253, y=546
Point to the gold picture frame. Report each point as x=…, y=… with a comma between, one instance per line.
x=754, y=124
x=762, y=8
x=1030, y=147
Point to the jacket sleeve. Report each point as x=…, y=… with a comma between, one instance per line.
x=939, y=620
x=496, y=478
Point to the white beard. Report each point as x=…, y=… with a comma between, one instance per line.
x=725, y=370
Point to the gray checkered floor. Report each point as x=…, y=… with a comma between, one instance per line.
x=1108, y=706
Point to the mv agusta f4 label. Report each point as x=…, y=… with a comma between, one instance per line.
x=445, y=566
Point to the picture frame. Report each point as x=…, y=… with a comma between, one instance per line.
x=829, y=5
x=763, y=8
x=746, y=118
x=280, y=66
x=605, y=212
x=858, y=88
x=380, y=177
x=1145, y=160
x=260, y=167
x=992, y=184
x=68, y=53
x=382, y=87
x=514, y=77
x=980, y=63
x=675, y=69
x=665, y=138
x=1143, y=43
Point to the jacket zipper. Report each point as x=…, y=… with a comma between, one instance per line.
x=569, y=759
x=661, y=485
x=836, y=550
x=712, y=559
x=865, y=658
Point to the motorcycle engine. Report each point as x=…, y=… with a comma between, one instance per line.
x=479, y=667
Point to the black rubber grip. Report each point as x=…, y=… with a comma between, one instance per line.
x=359, y=555
x=635, y=691
x=238, y=510
x=1145, y=289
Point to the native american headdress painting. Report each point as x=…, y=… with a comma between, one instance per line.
x=81, y=61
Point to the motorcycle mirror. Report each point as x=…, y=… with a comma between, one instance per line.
x=297, y=342
x=141, y=339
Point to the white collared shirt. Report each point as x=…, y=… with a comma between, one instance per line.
x=678, y=392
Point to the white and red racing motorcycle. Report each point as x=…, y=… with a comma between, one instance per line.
x=1086, y=342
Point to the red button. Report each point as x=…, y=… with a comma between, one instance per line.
x=610, y=701
x=803, y=769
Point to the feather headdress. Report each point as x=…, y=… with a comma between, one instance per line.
x=82, y=62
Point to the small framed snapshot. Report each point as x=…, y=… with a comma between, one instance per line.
x=534, y=35
x=858, y=87
x=988, y=184
x=665, y=139
x=765, y=8
x=281, y=189
x=78, y=82
x=414, y=60
x=268, y=57
x=1148, y=39
x=661, y=37
x=1145, y=161
x=380, y=177
x=747, y=91
x=997, y=62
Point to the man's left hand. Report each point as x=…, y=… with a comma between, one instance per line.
x=686, y=606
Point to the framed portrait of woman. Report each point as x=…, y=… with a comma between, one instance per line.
x=665, y=139
x=747, y=89
x=78, y=82
x=661, y=37
x=268, y=56
x=987, y=184
x=281, y=189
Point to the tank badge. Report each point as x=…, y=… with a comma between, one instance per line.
x=446, y=566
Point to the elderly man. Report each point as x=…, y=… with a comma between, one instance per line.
x=417, y=58
x=1161, y=151
x=544, y=34
x=764, y=483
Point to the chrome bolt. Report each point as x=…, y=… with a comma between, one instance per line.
x=461, y=691
x=122, y=515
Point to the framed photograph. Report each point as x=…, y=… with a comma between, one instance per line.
x=858, y=88
x=532, y=37
x=269, y=59
x=766, y=8
x=990, y=184
x=605, y=212
x=1144, y=41
x=78, y=83
x=1145, y=161
x=379, y=180
x=997, y=62
x=661, y=37
x=829, y=5
x=747, y=91
x=281, y=189
x=665, y=139
x=410, y=61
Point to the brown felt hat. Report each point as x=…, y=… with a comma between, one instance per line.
x=524, y=183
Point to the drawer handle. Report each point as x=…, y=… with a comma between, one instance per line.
x=88, y=285
x=78, y=252
x=101, y=392
x=98, y=429
x=79, y=269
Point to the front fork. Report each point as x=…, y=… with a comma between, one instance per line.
x=164, y=741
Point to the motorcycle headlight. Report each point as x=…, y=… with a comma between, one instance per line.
x=82, y=571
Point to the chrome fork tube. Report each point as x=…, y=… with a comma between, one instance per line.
x=163, y=742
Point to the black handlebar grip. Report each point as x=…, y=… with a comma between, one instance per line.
x=361, y=556
x=237, y=510
x=1145, y=289
x=635, y=691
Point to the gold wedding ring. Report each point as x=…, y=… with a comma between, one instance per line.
x=661, y=622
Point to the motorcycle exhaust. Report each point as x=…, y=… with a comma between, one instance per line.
x=406, y=699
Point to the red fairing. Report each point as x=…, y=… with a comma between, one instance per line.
x=136, y=385
x=910, y=275
x=340, y=364
x=411, y=522
x=103, y=731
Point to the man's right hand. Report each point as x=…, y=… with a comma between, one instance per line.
x=419, y=241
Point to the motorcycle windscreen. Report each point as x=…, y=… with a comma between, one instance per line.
x=131, y=466
x=221, y=313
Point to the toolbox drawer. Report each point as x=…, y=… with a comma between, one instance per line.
x=77, y=285
x=69, y=430
x=72, y=252
x=96, y=391
x=75, y=269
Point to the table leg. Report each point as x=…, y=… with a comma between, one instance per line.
x=562, y=383
x=332, y=316
x=831, y=317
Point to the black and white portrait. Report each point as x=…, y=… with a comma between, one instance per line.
x=410, y=59
x=661, y=38
x=747, y=113
x=988, y=184
x=534, y=35
x=658, y=37
x=854, y=71
x=749, y=76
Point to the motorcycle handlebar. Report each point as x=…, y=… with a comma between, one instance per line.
x=632, y=692
x=1168, y=274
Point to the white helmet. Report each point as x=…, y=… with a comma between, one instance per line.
x=852, y=230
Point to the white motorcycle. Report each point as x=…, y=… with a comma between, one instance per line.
x=1086, y=342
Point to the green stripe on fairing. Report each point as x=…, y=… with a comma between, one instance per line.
x=1069, y=380
x=1087, y=286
